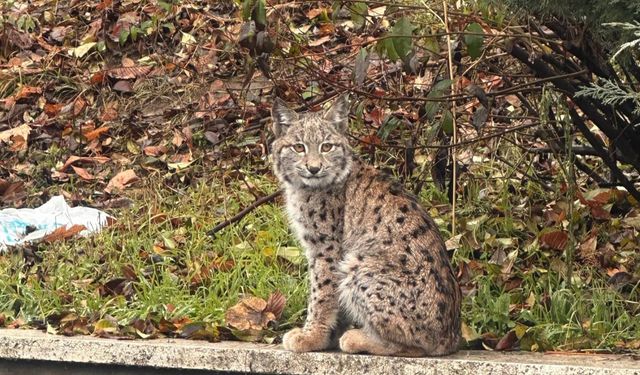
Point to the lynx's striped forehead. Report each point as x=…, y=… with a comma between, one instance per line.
x=312, y=128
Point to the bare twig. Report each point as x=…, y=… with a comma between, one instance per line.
x=531, y=177
x=578, y=150
x=237, y=217
x=458, y=144
x=454, y=138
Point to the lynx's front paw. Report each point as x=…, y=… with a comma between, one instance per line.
x=299, y=340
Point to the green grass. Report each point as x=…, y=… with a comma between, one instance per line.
x=160, y=245
x=158, y=251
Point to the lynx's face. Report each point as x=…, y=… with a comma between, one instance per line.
x=311, y=150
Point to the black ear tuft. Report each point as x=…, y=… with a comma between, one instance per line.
x=338, y=114
x=282, y=117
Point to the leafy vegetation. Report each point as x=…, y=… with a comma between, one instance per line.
x=158, y=113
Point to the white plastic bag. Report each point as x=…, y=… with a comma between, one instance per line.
x=45, y=219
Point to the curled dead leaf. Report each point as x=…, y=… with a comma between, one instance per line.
x=123, y=86
x=131, y=72
x=155, y=150
x=52, y=109
x=200, y=331
x=63, y=233
x=11, y=191
x=78, y=105
x=83, y=173
x=249, y=314
x=16, y=137
x=83, y=159
x=94, y=134
x=27, y=91
x=556, y=239
x=121, y=181
x=276, y=303
x=507, y=341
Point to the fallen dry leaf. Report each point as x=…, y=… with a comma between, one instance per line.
x=249, y=314
x=110, y=112
x=11, y=191
x=98, y=78
x=83, y=173
x=507, y=341
x=93, y=134
x=52, y=109
x=78, y=105
x=319, y=41
x=121, y=181
x=123, y=86
x=276, y=303
x=155, y=150
x=556, y=240
x=27, y=91
x=19, y=143
x=129, y=72
x=16, y=136
x=313, y=13
x=83, y=159
x=63, y=233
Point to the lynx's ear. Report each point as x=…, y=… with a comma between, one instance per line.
x=282, y=117
x=338, y=114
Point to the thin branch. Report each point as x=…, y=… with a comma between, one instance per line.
x=579, y=123
x=454, y=138
x=524, y=173
x=454, y=145
x=578, y=150
x=258, y=202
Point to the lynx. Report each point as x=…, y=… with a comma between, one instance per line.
x=380, y=278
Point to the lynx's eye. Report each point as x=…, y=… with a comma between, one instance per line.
x=326, y=147
x=298, y=147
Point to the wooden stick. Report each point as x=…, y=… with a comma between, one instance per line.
x=258, y=202
x=454, y=139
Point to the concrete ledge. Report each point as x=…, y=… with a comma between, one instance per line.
x=260, y=359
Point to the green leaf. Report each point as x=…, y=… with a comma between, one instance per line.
x=20, y=22
x=134, y=33
x=390, y=49
x=124, y=35
x=180, y=165
x=312, y=90
x=30, y=24
x=361, y=66
x=432, y=108
x=358, y=12
x=147, y=27
x=187, y=38
x=447, y=122
x=169, y=26
x=335, y=9
x=291, y=253
x=247, y=8
x=402, y=41
x=260, y=15
x=431, y=45
x=82, y=50
x=389, y=125
x=165, y=6
x=474, y=42
x=105, y=325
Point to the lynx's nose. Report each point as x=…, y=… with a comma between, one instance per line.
x=313, y=169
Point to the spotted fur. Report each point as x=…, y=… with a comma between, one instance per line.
x=377, y=263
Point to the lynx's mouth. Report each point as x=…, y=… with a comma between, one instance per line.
x=314, y=180
x=309, y=176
